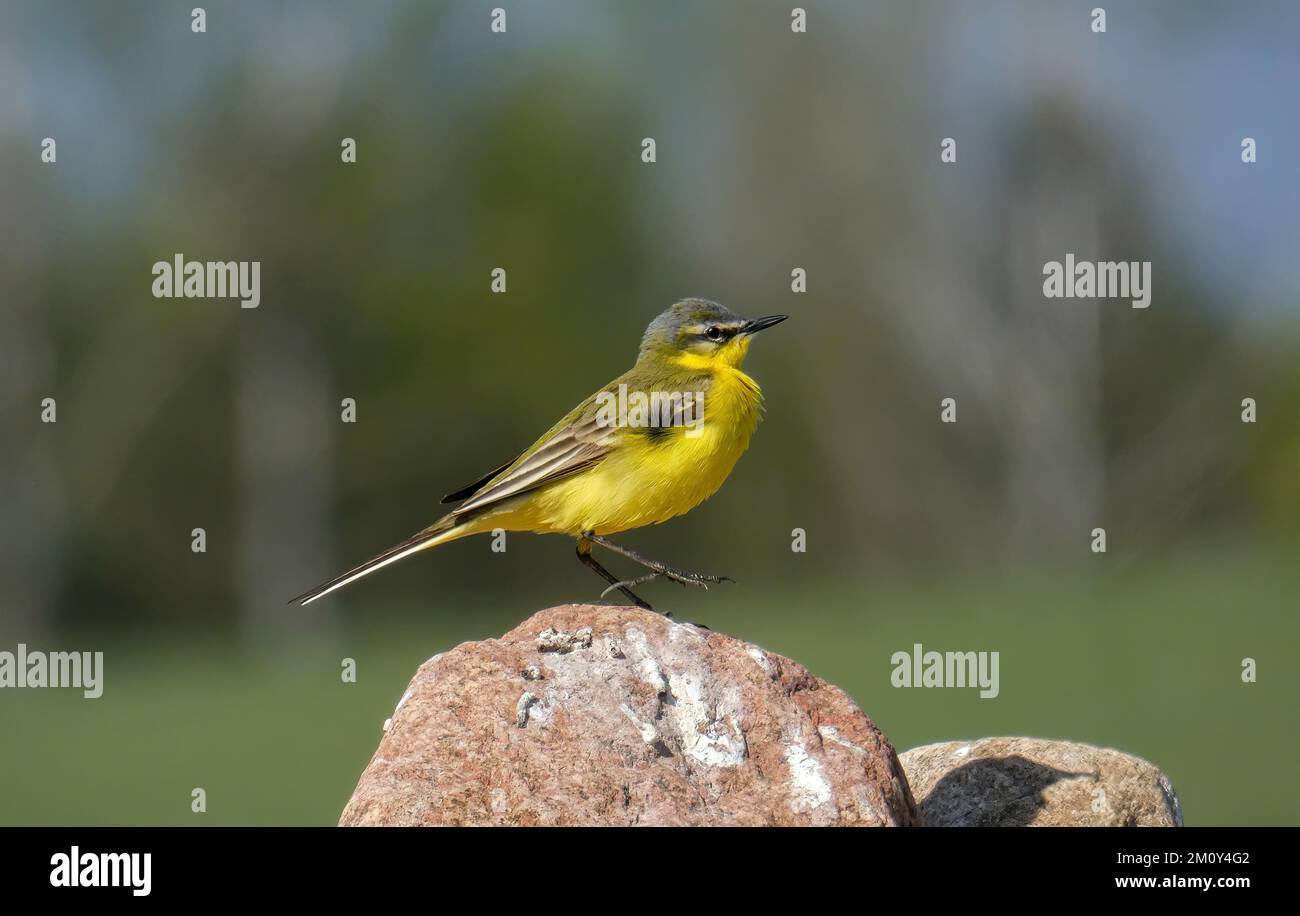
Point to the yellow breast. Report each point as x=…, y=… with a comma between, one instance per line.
x=650, y=479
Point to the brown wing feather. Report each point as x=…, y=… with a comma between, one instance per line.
x=571, y=447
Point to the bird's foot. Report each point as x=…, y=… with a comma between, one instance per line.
x=686, y=577
x=672, y=573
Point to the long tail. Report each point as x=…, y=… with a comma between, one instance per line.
x=440, y=532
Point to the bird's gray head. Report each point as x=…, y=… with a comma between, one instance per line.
x=706, y=330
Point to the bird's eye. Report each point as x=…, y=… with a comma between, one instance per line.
x=714, y=333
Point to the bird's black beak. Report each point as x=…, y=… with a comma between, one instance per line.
x=759, y=324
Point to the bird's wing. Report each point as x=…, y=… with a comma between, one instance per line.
x=469, y=490
x=576, y=442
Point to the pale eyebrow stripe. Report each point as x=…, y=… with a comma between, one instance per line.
x=699, y=330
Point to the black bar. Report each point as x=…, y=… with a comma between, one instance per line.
x=326, y=864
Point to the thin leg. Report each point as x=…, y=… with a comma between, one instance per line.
x=584, y=554
x=681, y=576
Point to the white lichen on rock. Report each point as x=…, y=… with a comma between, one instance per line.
x=647, y=666
x=553, y=640
x=402, y=702
x=808, y=786
x=708, y=727
x=649, y=734
x=521, y=709
x=760, y=656
x=832, y=734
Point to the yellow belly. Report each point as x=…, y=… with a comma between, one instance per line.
x=642, y=481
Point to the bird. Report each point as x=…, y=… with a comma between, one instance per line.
x=604, y=468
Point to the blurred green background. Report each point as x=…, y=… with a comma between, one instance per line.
x=522, y=151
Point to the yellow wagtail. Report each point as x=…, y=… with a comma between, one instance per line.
x=603, y=469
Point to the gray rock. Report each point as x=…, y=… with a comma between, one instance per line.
x=1032, y=782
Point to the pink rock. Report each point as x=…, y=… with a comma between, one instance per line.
x=588, y=714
